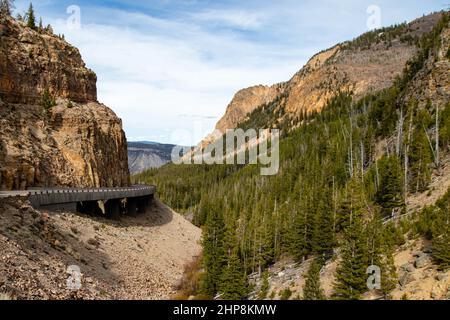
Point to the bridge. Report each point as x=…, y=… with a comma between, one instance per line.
x=112, y=202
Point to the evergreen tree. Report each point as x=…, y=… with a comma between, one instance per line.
x=353, y=203
x=389, y=194
x=213, y=253
x=31, y=19
x=323, y=234
x=351, y=274
x=233, y=285
x=389, y=277
x=441, y=233
x=47, y=102
x=420, y=155
x=265, y=286
x=6, y=7
x=312, y=289
x=441, y=249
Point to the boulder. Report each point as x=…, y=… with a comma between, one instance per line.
x=421, y=261
x=407, y=267
x=441, y=277
x=406, y=278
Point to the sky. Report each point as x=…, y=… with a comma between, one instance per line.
x=169, y=68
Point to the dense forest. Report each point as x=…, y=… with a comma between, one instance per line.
x=344, y=179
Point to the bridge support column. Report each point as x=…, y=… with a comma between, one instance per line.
x=112, y=209
x=131, y=207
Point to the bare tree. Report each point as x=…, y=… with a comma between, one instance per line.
x=6, y=7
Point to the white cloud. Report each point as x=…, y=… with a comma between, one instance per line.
x=232, y=18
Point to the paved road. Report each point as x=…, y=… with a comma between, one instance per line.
x=50, y=196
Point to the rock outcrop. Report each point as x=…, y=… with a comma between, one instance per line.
x=78, y=142
x=244, y=102
x=32, y=61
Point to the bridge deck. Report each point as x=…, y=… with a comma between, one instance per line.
x=44, y=197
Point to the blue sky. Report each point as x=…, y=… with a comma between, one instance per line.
x=169, y=68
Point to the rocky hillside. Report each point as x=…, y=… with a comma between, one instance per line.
x=366, y=64
x=138, y=257
x=53, y=130
x=148, y=155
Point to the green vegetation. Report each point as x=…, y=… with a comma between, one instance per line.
x=334, y=190
x=434, y=224
x=312, y=289
x=47, y=103
x=382, y=35
x=31, y=19
x=265, y=286
x=286, y=294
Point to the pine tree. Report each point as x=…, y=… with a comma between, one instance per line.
x=31, y=19
x=233, y=285
x=351, y=274
x=353, y=203
x=420, y=155
x=323, y=235
x=441, y=249
x=264, y=286
x=312, y=289
x=6, y=7
x=389, y=277
x=441, y=233
x=213, y=253
x=389, y=195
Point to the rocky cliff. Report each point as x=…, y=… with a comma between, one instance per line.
x=147, y=155
x=366, y=64
x=74, y=141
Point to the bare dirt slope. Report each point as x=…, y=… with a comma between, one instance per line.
x=137, y=258
x=440, y=184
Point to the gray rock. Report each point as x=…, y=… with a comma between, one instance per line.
x=407, y=267
x=441, y=277
x=428, y=249
x=421, y=261
x=406, y=278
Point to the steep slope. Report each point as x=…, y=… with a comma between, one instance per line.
x=148, y=155
x=52, y=129
x=136, y=258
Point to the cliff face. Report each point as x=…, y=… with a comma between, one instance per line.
x=32, y=61
x=244, y=102
x=368, y=64
x=78, y=142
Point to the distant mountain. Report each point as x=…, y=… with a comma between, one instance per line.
x=145, y=155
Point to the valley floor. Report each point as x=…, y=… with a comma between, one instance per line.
x=136, y=258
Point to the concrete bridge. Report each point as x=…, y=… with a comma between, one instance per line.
x=112, y=202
